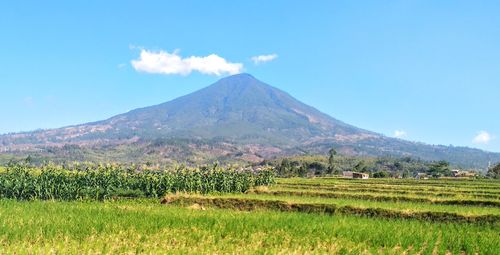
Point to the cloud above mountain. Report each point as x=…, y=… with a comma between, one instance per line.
x=264, y=58
x=163, y=62
x=483, y=137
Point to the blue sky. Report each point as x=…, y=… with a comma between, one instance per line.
x=423, y=70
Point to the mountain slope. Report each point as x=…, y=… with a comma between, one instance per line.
x=239, y=108
x=237, y=116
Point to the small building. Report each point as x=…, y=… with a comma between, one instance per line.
x=458, y=173
x=360, y=175
x=354, y=175
x=468, y=174
x=422, y=176
x=347, y=174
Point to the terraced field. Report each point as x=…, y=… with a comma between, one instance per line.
x=469, y=207
x=437, y=200
x=294, y=216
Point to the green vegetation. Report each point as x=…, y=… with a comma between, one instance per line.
x=51, y=182
x=441, y=168
x=436, y=202
x=494, y=171
x=217, y=210
x=480, y=196
x=335, y=164
x=146, y=227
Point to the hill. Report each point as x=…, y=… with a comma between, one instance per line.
x=238, y=118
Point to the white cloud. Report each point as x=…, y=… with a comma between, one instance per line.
x=162, y=62
x=264, y=58
x=483, y=137
x=399, y=133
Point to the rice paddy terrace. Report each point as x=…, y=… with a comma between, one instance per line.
x=445, y=216
x=291, y=216
x=434, y=200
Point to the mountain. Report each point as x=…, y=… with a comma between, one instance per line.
x=236, y=118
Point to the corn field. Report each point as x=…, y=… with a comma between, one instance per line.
x=103, y=182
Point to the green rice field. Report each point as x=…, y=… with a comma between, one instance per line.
x=293, y=216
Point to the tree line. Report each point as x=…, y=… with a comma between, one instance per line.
x=379, y=167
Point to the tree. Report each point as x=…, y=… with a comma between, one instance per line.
x=303, y=171
x=406, y=174
x=331, y=161
x=494, y=171
x=28, y=160
x=318, y=167
x=284, y=168
x=398, y=165
x=361, y=167
x=440, y=168
x=380, y=174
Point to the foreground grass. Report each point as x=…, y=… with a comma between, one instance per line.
x=144, y=226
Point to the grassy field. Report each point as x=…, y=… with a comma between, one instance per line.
x=453, y=197
x=145, y=226
x=265, y=221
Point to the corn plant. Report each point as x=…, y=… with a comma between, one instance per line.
x=107, y=181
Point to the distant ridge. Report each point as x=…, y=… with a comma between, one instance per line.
x=236, y=118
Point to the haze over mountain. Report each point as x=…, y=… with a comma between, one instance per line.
x=238, y=117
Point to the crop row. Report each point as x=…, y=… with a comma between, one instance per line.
x=27, y=183
x=381, y=197
x=437, y=181
x=389, y=191
x=322, y=185
x=471, y=184
x=279, y=205
x=390, y=205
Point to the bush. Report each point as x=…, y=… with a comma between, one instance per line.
x=494, y=171
x=380, y=174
